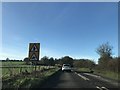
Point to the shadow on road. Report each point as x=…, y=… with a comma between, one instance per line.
x=53, y=79
x=84, y=71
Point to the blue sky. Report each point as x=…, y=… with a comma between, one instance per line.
x=74, y=29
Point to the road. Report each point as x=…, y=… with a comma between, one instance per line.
x=77, y=80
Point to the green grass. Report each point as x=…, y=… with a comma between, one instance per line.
x=7, y=71
x=29, y=81
x=108, y=74
x=83, y=69
x=20, y=67
x=10, y=63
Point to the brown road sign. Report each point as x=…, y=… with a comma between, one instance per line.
x=34, y=49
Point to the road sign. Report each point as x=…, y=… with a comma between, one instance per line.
x=33, y=57
x=34, y=49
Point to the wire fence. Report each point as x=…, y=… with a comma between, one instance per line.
x=15, y=70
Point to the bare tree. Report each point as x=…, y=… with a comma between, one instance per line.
x=105, y=50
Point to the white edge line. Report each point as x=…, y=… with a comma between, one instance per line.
x=83, y=77
x=98, y=88
x=97, y=76
x=104, y=88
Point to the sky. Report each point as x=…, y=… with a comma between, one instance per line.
x=62, y=29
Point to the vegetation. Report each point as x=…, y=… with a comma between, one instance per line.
x=84, y=63
x=106, y=61
x=31, y=80
x=105, y=52
x=108, y=74
x=107, y=65
x=46, y=61
x=26, y=60
x=25, y=74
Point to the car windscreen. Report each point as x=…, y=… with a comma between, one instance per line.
x=67, y=65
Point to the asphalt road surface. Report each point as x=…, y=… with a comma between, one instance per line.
x=78, y=80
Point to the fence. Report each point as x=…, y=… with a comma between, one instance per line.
x=15, y=70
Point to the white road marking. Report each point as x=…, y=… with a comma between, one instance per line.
x=92, y=75
x=102, y=79
x=98, y=88
x=104, y=88
x=75, y=73
x=83, y=77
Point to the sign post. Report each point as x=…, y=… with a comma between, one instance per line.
x=34, y=49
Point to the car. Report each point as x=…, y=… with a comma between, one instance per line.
x=66, y=67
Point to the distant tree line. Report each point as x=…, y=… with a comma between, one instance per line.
x=51, y=61
x=82, y=63
x=7, y=59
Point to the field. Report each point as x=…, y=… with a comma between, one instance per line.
x=18, y=74
x=14, y=68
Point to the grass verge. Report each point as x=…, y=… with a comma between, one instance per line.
x=106, y=74
x=28, y=81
